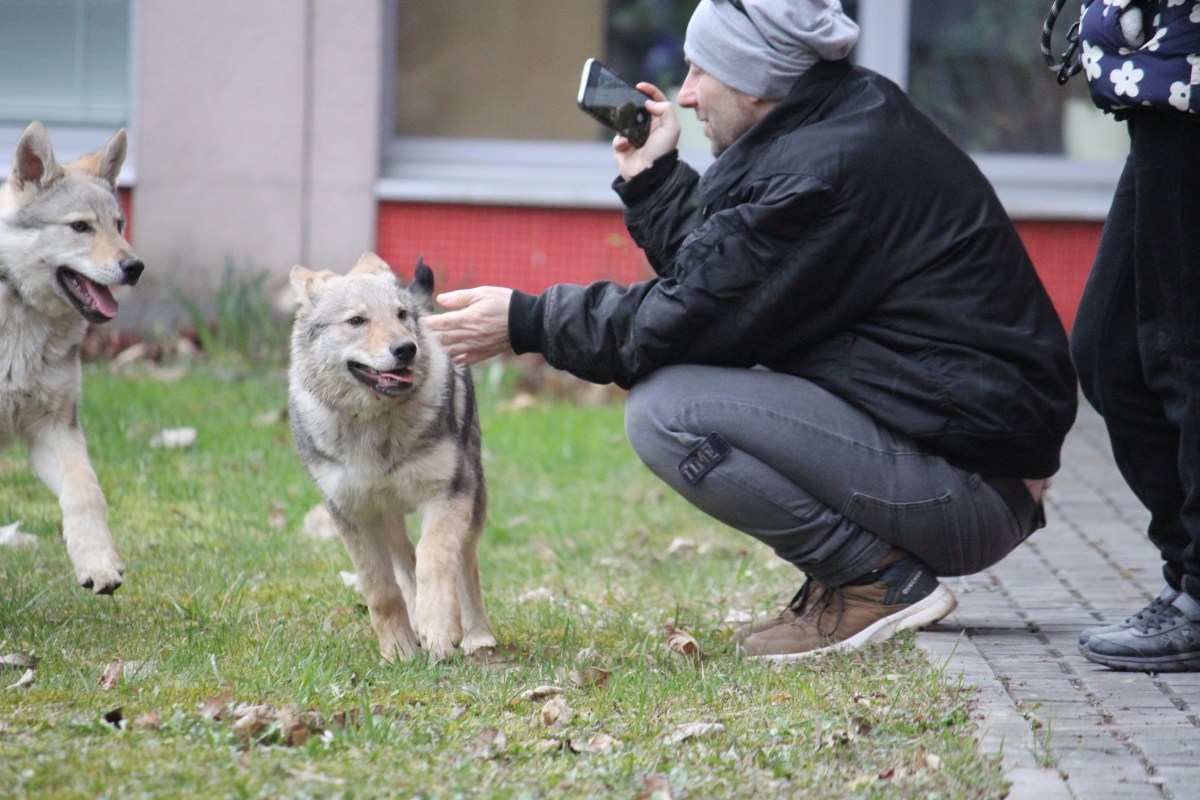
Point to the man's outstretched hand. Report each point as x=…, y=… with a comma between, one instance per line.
x=475, y=326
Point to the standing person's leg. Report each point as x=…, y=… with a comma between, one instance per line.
x=1165, y=159
x=832, y=492
x=1104, y=349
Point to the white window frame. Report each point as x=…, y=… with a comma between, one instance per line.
x=579, y=175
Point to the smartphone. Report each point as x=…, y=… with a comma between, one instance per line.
x=609, y=99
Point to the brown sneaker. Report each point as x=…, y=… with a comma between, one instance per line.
x=784, y=617
x=901, y=596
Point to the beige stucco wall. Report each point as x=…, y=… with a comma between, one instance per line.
x=258, y=136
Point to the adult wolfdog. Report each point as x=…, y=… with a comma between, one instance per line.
x=386, y=425
x=62, y=248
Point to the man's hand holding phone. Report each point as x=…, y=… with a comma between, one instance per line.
x=663, y=137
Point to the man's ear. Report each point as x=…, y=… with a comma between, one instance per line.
x=34, y=167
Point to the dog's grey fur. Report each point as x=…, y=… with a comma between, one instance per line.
x=386, y=425
x=61, y=249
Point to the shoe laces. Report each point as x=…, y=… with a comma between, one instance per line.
x=820, y=604
x=1155, y=616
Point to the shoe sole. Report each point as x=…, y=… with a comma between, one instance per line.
x=1181, y=663
x=940, y=602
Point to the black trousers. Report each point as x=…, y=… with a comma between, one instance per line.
x=1136, y=339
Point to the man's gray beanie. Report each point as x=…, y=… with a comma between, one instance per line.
x=763, y=50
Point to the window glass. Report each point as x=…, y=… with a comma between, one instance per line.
x=976, y=68
x=510, y=69
x=64, y=62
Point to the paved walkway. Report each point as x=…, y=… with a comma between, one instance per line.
x=1065, y=727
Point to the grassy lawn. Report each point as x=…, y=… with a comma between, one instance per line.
x=248, y=669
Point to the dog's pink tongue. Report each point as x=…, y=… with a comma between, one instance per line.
x=388, y=378
x=101, y=298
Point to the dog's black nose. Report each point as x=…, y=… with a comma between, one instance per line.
x=132, y=270
x=404, y=352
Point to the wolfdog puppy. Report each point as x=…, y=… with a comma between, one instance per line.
x=62, y=248
x=386, y=425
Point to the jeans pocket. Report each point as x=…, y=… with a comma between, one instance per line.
x=926, y=528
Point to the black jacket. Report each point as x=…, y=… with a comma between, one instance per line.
x=846, y=240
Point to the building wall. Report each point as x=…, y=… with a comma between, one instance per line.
x=258, y=141
x=531, y=248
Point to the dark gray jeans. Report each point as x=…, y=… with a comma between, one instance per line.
x=811, y=476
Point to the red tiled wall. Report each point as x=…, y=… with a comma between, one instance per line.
x=531, y=248
x=1063, y=254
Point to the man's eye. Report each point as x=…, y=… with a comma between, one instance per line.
x=79, y=226
x=356, y=321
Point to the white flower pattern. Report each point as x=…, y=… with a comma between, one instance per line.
x=1125, y=80
x=1149, y=58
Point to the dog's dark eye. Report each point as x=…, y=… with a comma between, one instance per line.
x=120, y=226
x=402, y=315
x=79, y=226
x=356, y=321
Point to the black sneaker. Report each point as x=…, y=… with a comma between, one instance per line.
x=1165, y=642
x=1156, y=607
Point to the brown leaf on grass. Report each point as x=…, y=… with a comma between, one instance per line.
x=251, y=720
x=214, y=707
x=689, y=730
x=656, y=788
x=111, y=678
x=519, y=402
x=932, y=763
x=150, y=721
x=319, y=524
x=590, y=678
x=25, y=681
x=555, y=713
x=598, y=744
x=269, y=417
x=174, y=438
x=682, y=642
x=681, y=546
x=836, y=738
x=23, y=660
x=488, y=743
x=536, y=694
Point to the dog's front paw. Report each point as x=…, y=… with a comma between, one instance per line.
x=101, y=572
x=396, y=643
x=439, y=634
x=477, y=639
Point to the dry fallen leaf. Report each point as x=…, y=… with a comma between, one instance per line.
x=11, y=536
x=25, y=681
x=150, y=721
x=680, y=546
x=111, y=678
x=599, y=744
x=19, y=660
x=251, y=720
x=932, y=763
x=689, y=730
x=174, y=438
x=682, y=642
x=269, y=417
x=488, y=743
x=537, y=694
x=592, y=677
x=214, y=707
x=555, y=713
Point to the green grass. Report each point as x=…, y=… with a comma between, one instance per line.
x=225, y=597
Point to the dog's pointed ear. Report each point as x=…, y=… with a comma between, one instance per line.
x=368, y=264
x=421, y=287
x=34, y=166
x=307, y=283
x=106, y=163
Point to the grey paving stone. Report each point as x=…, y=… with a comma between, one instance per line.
x=1063, y=726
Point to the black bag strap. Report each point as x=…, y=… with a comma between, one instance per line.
x=1071, y=62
